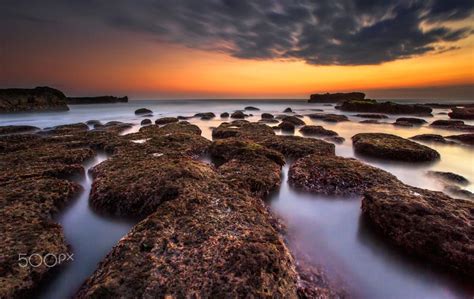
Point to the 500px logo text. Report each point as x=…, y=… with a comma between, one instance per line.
x=49, y=260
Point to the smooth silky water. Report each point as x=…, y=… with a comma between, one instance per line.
x=330, y=231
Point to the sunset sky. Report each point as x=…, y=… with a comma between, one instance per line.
x=240, y=49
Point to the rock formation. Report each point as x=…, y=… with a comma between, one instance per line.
x=32, y=100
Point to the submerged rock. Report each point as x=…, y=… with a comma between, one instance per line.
x=146, y=121
x=286, y=126
x=392, y=147
x=294, y=120
x=205, y=115
x=463, y=138
x=225, y=115
x=371, y=121
x=328, y=117
x=141, y=111
x=462, y=113
x=332, y=175
x=17, y=129
x=457, y=125
x=458, y=192
x=317, y=131
x=32, y=100
x=372, y=115
x=448, y=177
x=424, y=223
x=373, y=106
x=287, y=110
x=409, y=121
x=267, y=116
x=335, y=139
x=238, y=114
x=434, y=138
x=251, y=108
x=166, y=120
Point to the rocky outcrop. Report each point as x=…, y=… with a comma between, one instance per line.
x=17, y=129
x=286, y=126
x=166, y=120
x=425, y=224
x=294, y=120
x=432, y=138
x=32, y=100
x=456, y=125
x=96, y=100
x=328, y=117
x=392, y=147
x=142, y=111
x=409, y=121
x=448, y=177
x=335, y=97
x=332, y=175
x=386, y=107
x=295, y=147
x=462, y=113
x=317, y=131
x=467, y=139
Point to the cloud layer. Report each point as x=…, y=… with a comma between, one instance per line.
x=328, y=32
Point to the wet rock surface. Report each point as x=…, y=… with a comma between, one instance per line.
x=424, y=223
x=386, y=107
x=267, y=116
x=332, y=175
x=239, y=115
x=448, y=177
x=457, y=125
x=205, y=115
x=251, y=108
x=146, y=121
x=392, y=147
x=286, y=126
x=459, y=192
x=328, y=117
x=294, y=120
x=463, y=138
x=462, y=113
x=409, y=121
x=288, y=110
x=166, y=120
x=17, y=129
x=371, y=115
x=432, y=138
x=225, y=115
x=295, y=147
x=317, y=131
x=141, y=111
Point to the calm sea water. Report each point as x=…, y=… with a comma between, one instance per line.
x=330, y=231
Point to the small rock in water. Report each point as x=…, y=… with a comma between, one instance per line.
x=448, y=177
x=251, y=108
x=287, y=110
x=287, y=126
x=143, y=111
x=146, y=121
x=166, y=120
x=225, y=114
x=238, y=114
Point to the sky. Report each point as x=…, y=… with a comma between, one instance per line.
x=166, y=49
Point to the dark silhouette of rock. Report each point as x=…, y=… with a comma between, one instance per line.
x=269, y=121
x=32, y=100
x=371, y=115
x=371, y=121
x=463, y=138
x=386, y=107
x=433, y=138
x=457, y=125
x=462, y=113
x=287, y=110
x=392, y=147
x=146, y=121
x=332, y=175
x=459, y=192
x=286, y=126
x=238, y=114
x=267, y=116
x=294, y=120
x=166, y=120
x=251, y=108
x=335, y=97
x=17, y=129
x=335, y=139
x=225, y=115
x=317, y=131
x=205, y=115
x=409, y=121
x=96, y=100
x=328, y=117
x=448, y=177
x=424, y=223
x=93, y=122
x=141, y=111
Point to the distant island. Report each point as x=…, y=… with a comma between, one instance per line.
x=335, y=97
x=97, y=100
x=42, y=99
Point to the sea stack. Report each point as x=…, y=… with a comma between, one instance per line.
x=32, y=100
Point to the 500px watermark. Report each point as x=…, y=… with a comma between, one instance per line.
x=49, y=260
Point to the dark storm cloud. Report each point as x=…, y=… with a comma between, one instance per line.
x=332, y=32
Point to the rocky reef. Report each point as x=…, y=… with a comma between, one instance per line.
x=462, y=113
x=96, y=100
x=373, y=106
x=32, y=100
x=392, y=147
x=335, y=97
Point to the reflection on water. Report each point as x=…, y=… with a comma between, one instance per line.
x=91, y=237
x=330, y=231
